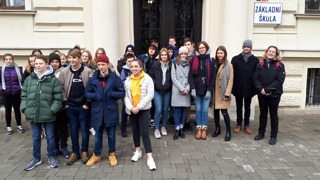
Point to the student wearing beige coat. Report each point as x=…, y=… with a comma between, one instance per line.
x=222, y=93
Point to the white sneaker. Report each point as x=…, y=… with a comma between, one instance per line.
x=93, y=132
x=136, y=156
x=157, y=134
x=151, y=164
x=163, y=131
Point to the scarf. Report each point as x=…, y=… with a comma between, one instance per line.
x=246, y=56
x=195, y=66
x=135, y=88
x=2, y=74
x=183, y=62
x=225, y=79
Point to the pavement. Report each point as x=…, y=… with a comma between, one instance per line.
x=295, y=156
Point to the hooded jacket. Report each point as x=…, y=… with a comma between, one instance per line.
x=41, y=98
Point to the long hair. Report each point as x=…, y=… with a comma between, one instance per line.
x=277, y=52
x=100, y=49
x=29, y=68
x=178, y=59
x=224, y=59
x=91, y=62
x=8, y=54
x=163, y=50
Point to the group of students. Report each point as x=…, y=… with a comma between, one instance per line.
x=85, y=93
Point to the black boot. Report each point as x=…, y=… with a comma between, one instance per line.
x=181, y=133
x=217, y=132
x=187, y=127
x=176, y=135
x=228, y=135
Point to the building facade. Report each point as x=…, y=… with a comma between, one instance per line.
x=113, y=24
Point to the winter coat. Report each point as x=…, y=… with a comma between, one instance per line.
x=199, y=82
x=156, y=75
x=125, y=72
x=66, y=77
x=147, y=93
x=270, y=79
x=243, y=73
x=11, y=81
x=179, y=76
x=148, y=62
x=41, y=98
x=104, y=105
x=223, y=85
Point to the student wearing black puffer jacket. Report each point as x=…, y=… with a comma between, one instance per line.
x=161, y=75
x=268, y=78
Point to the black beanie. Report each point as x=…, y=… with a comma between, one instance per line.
x=54, y=56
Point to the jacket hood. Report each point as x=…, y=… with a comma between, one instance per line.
x=126, y=67
x=130, y=46
x=48, y=72
x=170, y=47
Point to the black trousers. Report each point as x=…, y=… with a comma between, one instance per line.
x=271, y=104
x=8, y=102
x=140, y=128
x=247, y=110
x=61, y=130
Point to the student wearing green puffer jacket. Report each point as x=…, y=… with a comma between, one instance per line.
x=41, y=99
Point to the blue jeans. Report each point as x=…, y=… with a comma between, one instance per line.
x=202, y=108
x=161, y=103
x=180, y=114
x=78, y=119
x=36, y=138
x=111, y=131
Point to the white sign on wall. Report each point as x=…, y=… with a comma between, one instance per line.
x=267, y=13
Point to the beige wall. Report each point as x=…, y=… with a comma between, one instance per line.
x=60, y=24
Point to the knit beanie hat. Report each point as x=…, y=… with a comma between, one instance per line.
x=183, y=49
x=54, y=56
x=102, y=58
x=170, y=47
x=247, y=43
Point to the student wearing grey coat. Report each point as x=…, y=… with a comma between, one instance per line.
x=180, y=98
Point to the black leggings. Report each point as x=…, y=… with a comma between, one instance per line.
x=225, y=115
x=61, y=130
x=8, y=102
x=140, y=127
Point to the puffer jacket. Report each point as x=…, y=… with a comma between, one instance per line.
x=11, y=81
x=41, y=98
x=104, y=107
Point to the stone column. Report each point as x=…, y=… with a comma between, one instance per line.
x=105, y=27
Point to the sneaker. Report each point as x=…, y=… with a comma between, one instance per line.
x=65, y=152
x=94, y=159
x=72, y=159
x=151, y=164
x=10, y=132
x=33, y=163
x=163, y=131
x=92, y=131
x=53, y=162
x=151, y=123
x=112, y=159
x=84, y=157
x=20, y=129
x=157, y=134
x=136, y=156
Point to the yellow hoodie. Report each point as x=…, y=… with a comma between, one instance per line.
x=135, y=88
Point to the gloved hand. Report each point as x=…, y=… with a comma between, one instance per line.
x=208, y=95
x=193, y=94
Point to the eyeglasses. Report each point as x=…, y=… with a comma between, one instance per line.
x=202, y=47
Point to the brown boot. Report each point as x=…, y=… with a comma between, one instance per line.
x=247, y=130
x=112, y=159
x=237, y=129
x=204, y=133
x=198, y=134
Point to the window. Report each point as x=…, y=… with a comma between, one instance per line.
x=312, y=6
x=12, y=4
x=313, y=87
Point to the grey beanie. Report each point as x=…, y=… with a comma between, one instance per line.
x=247, y=43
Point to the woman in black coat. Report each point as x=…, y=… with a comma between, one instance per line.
x=268, y=79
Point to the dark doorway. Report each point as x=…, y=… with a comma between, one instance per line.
x=159, y=19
